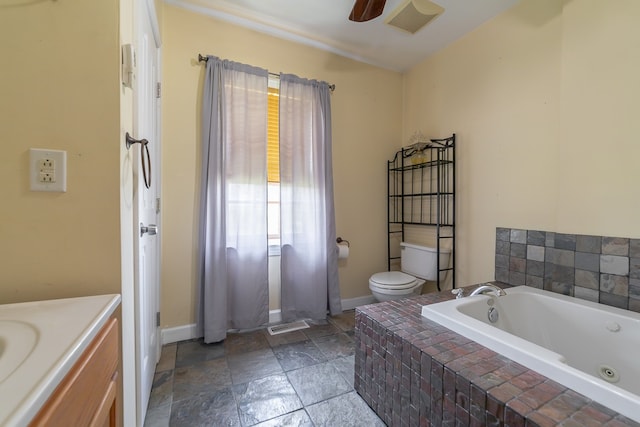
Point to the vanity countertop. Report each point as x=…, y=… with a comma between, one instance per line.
x=40, y=342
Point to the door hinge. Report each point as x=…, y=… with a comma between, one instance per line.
x=158, y=89
x=158, y=205
x=158, y=319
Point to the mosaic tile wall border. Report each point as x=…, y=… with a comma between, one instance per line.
x=595, y=268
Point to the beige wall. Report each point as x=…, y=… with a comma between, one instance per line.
x=544, y=100
x=366, y=113
x=598, y=186
x=59, y=90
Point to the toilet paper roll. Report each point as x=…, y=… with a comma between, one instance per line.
x=343, y=251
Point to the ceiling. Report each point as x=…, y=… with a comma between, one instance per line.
x=324, y=24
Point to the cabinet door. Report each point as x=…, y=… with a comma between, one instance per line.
x=87, y=395
x=105, y=416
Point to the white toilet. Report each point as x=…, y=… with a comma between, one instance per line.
x=418, y=263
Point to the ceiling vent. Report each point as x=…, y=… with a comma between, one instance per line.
x=412, y=15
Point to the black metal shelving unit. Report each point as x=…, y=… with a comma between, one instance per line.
x=421, y=192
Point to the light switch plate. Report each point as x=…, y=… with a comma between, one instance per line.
x=48, y=170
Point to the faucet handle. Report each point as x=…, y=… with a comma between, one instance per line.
x=459, y=293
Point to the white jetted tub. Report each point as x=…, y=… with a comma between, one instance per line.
x=591, y=348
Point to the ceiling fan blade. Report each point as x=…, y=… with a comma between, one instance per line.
x=365, y=10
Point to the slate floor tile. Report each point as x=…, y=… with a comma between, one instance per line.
x=318, y=382
x=345, y=321
x=298, y=355
x=245, y=342
x=215, y=409
x=286, y=338
x=298, y=418
x=336, y=345
x=195, y=351
x=346, y=367
x=158, y=416
x=253, y=365
x=161, y=389
x=202, y=378
x=167, y=358
x=265, y=398
x=254, y=378
x=346, y=410
x=320, y=329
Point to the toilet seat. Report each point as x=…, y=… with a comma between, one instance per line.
x=393, y=280
x=392, y=285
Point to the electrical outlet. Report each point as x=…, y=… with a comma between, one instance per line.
x=46, y=164
x=45, y=177
x=48, y=170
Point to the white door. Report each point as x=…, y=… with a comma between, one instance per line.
x=146, y=209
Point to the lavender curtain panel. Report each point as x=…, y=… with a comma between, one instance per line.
x=309, y=258
x=232, y=257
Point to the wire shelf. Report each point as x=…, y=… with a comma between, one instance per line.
x=421, y=193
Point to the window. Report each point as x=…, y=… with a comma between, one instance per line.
x=273, y=167
x=273, y=132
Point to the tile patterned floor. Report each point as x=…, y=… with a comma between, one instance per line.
x=300, y=378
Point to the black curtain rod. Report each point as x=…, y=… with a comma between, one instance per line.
x=204, y=59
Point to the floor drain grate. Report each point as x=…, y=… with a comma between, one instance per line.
x=287, y=327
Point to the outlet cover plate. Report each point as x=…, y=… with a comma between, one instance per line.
x=48, y=170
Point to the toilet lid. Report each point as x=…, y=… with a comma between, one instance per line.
x=393, y=279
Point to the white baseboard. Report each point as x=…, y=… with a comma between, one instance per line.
x=178, y=333
x=188, y=332
x=351, y=303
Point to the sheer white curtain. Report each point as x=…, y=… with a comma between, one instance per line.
x=232, y=259
x=309, y=260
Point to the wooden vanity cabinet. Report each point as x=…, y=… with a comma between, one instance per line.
x=87, y=394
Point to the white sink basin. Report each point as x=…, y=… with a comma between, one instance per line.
x=17, y=340
x=40, y=341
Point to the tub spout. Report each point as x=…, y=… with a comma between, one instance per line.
x=488, y=288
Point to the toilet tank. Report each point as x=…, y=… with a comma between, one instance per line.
x=420, y=261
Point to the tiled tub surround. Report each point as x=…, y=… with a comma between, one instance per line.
x=595, y=268
x=588, y=347
x=413, y=371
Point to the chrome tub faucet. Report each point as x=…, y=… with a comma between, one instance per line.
x=486, y=288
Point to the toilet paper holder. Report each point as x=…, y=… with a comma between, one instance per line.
x=340, y=240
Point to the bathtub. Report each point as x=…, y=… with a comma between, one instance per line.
x=591, y=348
